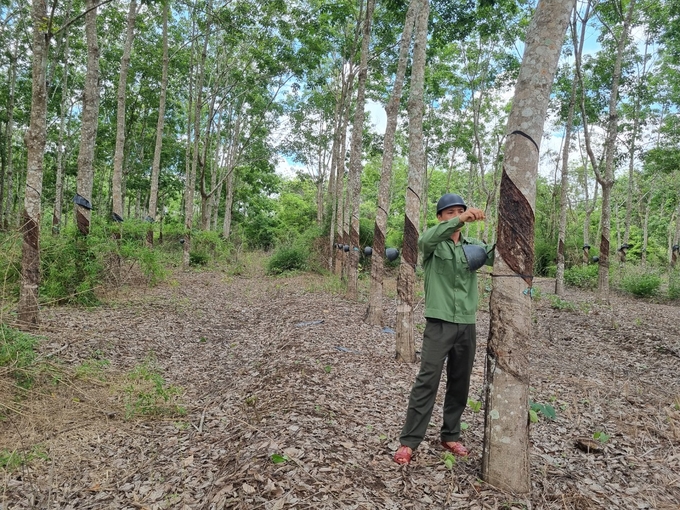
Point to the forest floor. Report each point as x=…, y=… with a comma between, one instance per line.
x=291, y=401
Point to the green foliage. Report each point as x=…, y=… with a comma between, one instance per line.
x=602, y=437
x=198, y=258
x=544, y=257
x=674, y=284
x=287, y=259
x=449, y=460
x=640, y=281
x=92, y=368
x=278, y=458
x=147, y=393
x=17, y=354
x=583, y=277
x=10, y=460
x=558, y=303
x=474, y=405
x=545, y=409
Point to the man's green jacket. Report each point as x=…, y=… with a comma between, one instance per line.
x=450, y=287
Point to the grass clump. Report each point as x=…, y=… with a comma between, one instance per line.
x=147, y=393
x=285, y=260
x=17, y=353
x=583, y=277
x=640, y=282
x=10, y=460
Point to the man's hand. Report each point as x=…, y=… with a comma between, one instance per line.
x=472, y=214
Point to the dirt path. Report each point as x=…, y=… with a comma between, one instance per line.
x=293, y=402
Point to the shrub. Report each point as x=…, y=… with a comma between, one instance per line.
x=198, y=258
x=17, y=353
x=583, y=277
x=674, y=285
x=287, y=259
x=640, y=283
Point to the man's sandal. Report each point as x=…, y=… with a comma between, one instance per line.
x=455, y=448
x=403, y=455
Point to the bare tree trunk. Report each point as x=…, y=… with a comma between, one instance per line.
x=88, y=131
x=505, y=460
x=355, y=165
x=405, y=342
x=228, y=203
x=5, y=217
x=562, y=230
x=120, y=115
x=156, y=164
x=374, y=312
x=64, y=108
x=28, y=309
x=190, y=185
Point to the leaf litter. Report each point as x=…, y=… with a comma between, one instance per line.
x=292, y=401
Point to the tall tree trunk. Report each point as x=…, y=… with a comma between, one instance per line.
x=374, y=312
x=190, y=185
x=6, y=204
x=64, y=110
x=156, y=164
x=505, y=460
x=28, y=310
x=355, y=165
x=405, y=343
x=228, y=203
x=88, y=131
x=564, y=186
x=119, y=155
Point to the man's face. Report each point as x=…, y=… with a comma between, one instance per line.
x=450, y=212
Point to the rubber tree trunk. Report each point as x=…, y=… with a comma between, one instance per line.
x=119, y=154
x=160, y=123
x=356, y=153
x=374, y=312
x=606, y=177
x=190, y=184
x=405, y=343
x=61, y=150
x=28, y=310
x=564, y=185
x=6, y=193
x=505, y=459
x=90, y=114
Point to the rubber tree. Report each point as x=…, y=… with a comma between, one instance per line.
x=119, y=156
x=605, y=175
x=160, y=123
x=28, y=310
x=374, y=312
x=356, y=154
x=88, y=129
x=577, y=42
x=505, y=459
x=405, y=342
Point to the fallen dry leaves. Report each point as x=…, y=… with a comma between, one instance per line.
x=294, y=402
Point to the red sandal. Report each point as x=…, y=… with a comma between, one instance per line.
x=403, y=455
x=455, y=448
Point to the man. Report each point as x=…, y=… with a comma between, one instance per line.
x=450, y=309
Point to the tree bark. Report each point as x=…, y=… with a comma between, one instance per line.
x=156, y=164
x=6, y=211
x=64, y=108
x=119, y=155
x=505, y=459
x=356, y=153
x=374, y=312
x=405, y=343
x=564, y=185
x=88, y=131
x=28, y=309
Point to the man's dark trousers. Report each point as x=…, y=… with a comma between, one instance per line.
x=441, y=339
